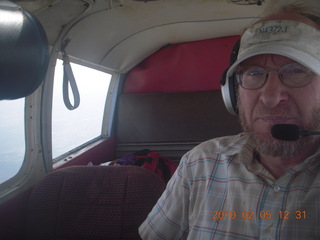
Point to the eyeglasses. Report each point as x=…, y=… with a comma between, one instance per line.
x=292, y=75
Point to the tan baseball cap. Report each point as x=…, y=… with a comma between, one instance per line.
x=289, y=38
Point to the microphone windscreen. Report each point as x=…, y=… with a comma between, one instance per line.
x=286, y=132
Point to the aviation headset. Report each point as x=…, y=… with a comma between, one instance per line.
x=229, y=87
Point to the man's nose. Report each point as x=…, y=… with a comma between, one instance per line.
x=274, y=91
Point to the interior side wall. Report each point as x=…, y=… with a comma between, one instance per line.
x=102, y=152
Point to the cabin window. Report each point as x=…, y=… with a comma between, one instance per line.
x=12, y=138
x=73, y=128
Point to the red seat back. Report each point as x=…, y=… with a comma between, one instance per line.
x=92, y=203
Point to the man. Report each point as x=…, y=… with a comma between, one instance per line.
x=253, y=186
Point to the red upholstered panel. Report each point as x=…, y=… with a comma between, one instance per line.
x=185, y=67
x=92, y=203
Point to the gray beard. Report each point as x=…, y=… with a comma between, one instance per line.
x=277, y=148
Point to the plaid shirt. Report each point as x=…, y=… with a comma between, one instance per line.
x=220, y=191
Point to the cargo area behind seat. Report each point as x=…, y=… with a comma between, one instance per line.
x=172, y=101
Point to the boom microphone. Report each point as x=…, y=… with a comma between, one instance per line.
x=290, y=132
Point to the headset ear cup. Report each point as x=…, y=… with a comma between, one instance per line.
x=233, y=89
x=229, y=93
x=229, y=86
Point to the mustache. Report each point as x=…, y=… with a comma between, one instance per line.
x=279, y=110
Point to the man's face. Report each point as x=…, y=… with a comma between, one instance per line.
x=276, y=103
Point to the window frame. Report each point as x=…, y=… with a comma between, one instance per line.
x=38, y=126
x=32, y=168
x=107, y=121
x=22, y=134
x=93, y=96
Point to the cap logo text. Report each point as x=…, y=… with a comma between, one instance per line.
x=273, y=29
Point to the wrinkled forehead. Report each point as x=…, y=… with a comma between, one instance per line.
x=267, y=59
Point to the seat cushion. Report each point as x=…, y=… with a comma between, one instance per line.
x=92, y=203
